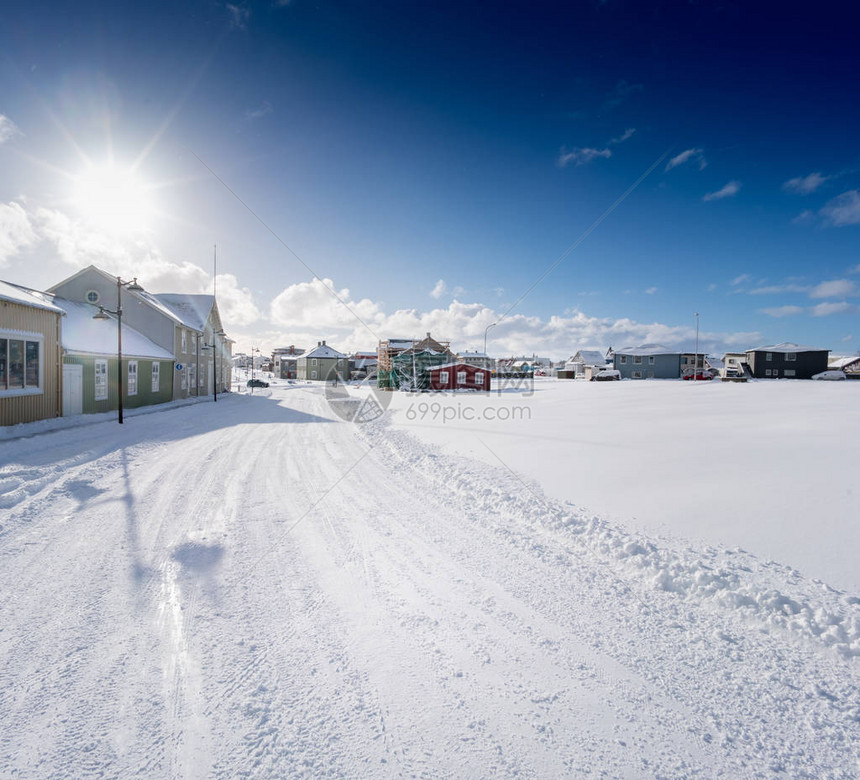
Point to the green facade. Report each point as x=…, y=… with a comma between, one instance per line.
x=144, y=396
x=408, y=370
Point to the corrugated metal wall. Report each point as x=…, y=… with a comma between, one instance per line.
x=16, y=409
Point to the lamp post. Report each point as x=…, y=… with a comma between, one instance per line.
x=696, y=362
x=486, y=331
x=102, y=314
x=215, y=347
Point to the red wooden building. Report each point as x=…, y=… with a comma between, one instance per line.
x=459, y=376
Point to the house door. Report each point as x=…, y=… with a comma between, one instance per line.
x=73, y=390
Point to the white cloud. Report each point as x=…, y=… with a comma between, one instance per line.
x=844, y=209
x=264, y=109
x=854, y=270
x=779, y=289
x=439, y=290
x=712, y=287
x=239, y=15
x=628, y=133
x=306, y=312
x=740, y=279
x=732, y=188
x=16, y=231
x=804, y=217
x=804, y=185
x=696, y=155
x=835, y=288
x=825, y=309
x=581, y=156
x=318, y=306
x=8, y=129
x=782, y=311
x=650, y=291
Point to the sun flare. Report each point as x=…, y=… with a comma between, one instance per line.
x=113, y=198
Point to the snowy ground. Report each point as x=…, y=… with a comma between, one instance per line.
x=255, y=588
x=770, y=467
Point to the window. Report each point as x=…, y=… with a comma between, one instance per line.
x=479, y=378
x=767, y=372
x=192, y=376
x=649, y=375
x=768, y=355
x=313, y=361
x=183, y=384
x=443, y=377
x=788, y=372
x=650, y=360
x=132, y=377
x=184, y=341
x=622, y=359
x=637, y=360
x=156, y=376
x=637, y=375
x=93, y=296
x=461, y=377
x=20, y=364
x=101, y=384
x=790, y=357
x=314, y=373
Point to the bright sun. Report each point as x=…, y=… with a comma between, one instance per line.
x=113, y=199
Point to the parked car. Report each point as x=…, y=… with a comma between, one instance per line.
x=607, y=375
x=700, y=376
x=257, y=383
x=831, y=375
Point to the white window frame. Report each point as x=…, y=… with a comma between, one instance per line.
x=313, y=374
x=131, y=372
x=790, y=357
x=461, y=378
x=789, y=372
x=650, y=360
x=101, y=383
x=183, y=381
x=184, y=337
x=637, y=360
x=479, y=378
x=767, y=372
x=156, y=376
x=637, y=375
x=443, y=377
x=622, y=359
x=768, y=356
x=25, y=337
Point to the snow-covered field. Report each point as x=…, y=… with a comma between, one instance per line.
x=768, y=466
x=255, y=588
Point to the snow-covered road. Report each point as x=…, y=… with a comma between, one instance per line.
x=255, y=588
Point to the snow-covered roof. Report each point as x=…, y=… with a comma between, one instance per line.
x=81, y=333
x=647, y=349
x=474, y=354
x=323, y=351
x=842, y=361
x=191, y=310
x=591, y=357
x=458, y=364
x=27, y=297
x=787, y=346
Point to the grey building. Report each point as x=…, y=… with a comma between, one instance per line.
x=786, y=361
x=648, y=361
x=322, y=364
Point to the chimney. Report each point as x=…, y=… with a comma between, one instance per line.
x=428, y=334
x=323, y=343
x=319, y=343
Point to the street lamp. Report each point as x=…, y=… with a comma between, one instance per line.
x=696, y=363
x=214, y=346
x=487, y=330
x=102, y=314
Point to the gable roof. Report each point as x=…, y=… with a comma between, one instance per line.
x=323, y=351
x=83, y=334
x=787, y=346
x=647, y=349
x=27, y=297
x=191, y=310
x=591, y=357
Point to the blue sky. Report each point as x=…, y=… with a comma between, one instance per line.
x=431, y=161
